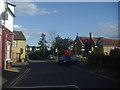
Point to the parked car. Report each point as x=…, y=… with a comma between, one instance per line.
x=51, y=57
x=67, y=60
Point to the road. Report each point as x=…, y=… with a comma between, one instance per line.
x=50, y=73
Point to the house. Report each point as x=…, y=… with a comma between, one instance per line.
x=19, y=47
x=6, y=33
x=108, y=44
x=32, y=48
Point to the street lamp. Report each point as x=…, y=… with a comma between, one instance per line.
x=56, y=50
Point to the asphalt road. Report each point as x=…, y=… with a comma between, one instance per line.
x=50, y=73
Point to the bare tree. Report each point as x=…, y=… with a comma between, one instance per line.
x=51, y=37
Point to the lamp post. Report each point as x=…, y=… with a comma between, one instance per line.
x=82, y=50
x=56, y=50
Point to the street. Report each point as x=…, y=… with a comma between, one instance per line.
x=50, y=74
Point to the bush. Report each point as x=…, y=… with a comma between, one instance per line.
x=38, y=55
x=115, y=52
x=111, y=62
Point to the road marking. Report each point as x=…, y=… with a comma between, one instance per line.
x=54, y=86
x=98, y=74
x=18, y=78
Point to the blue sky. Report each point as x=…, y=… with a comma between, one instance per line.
x=66, y=19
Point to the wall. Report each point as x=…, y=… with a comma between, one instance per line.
x=7, y=23
x=2, y=8
x=1, y=48
x=16, y=49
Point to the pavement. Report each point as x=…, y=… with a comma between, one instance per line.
x=9, y=75
x=115, y=75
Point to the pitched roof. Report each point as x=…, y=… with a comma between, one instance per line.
x=11, y=4
x=106, y=41
x=19, y=35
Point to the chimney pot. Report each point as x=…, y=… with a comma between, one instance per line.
x=91, y=35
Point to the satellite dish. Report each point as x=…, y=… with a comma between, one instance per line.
x=4, y=15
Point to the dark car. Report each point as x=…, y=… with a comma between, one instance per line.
x=67, y=60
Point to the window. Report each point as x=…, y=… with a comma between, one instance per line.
x=15, y=43
x=8, y=49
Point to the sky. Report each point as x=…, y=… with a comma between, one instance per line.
x=66, y=19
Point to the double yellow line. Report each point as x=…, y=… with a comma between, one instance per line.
x=16, y=80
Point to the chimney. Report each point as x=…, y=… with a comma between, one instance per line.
x=91, y=35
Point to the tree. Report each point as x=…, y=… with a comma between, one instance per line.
x=43, y=46
x=62, y=44
x=51, y=39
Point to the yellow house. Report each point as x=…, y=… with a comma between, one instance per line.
x=19, y=47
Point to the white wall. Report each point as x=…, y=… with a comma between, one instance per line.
x=9, y=22
x=2, y=8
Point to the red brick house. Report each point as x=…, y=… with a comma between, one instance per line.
x=6, y=47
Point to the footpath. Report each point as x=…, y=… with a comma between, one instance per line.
x=106, y=73
x=11, y=74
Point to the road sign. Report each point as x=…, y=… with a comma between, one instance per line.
x=99, y=43
x=82, y=49
x=56, y=50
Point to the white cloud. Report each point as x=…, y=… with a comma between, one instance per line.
x=107, y=30
x=24, y=30
x=31, y=9
x=29, y=33
x=55, y=11
x=17, y=27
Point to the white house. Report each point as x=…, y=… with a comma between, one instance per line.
x=7, y=14
x=6, y=32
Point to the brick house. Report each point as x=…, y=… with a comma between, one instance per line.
x=19, y=47
x=30, y=49
x=108, y=44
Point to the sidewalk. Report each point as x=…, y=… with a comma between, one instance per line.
x=105, y=72
x=9, y=74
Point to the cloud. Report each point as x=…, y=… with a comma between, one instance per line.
x=29, y=33
x=55, y=11
x=24, y=30
x=28, y=8
x=17, y=27
x=107, y=30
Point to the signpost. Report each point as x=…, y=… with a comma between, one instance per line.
x=100, y=49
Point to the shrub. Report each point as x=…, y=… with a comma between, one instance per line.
x=115, y=52
x=110, y=62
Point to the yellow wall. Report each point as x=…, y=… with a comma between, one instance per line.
x=16, y=49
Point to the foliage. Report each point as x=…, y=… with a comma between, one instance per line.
x=97, y=50
x=39, y=55
x=43, y=46
x=115, y=52
x=61, y=44
x=108, y=62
